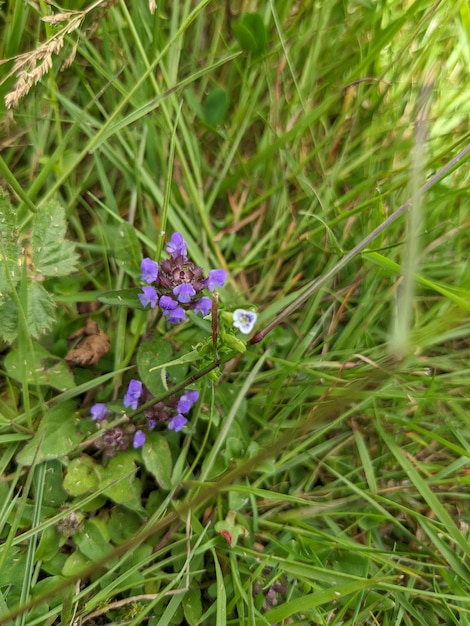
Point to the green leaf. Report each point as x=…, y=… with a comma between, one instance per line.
x=81, y=476
x=43, y=368
x=119, y=481
x=216, y=106
x=91, y=542
x=152, y=354
x=57, y=435
x=9, y=247
x=52, y=491
x=251, y=34
x=52, y=254
x=192, y=606
x=156, y=456
x=125, y=246
x=122, y=297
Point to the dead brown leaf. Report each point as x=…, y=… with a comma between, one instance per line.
x=92, y=345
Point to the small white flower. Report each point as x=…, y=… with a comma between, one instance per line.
x=244, y=320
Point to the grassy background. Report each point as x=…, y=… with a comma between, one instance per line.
x=336, y=451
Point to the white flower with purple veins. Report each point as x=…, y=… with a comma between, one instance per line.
x=244, y=320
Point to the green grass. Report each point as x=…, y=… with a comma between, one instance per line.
x=323, y=478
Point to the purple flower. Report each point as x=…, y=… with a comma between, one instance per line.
x=184, y=292
x=149, y=270
x=139, y=439
x=176, y=246
x=216, y=278
x=133, y=393
x=244, y=320
x=203, y=306
x=152, y=424
x=167, y=304
x=186, y=401
x=149, y=296
x=177, y=423
x=176, y=316
x=99, y=412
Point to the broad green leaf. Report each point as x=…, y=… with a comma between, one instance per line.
x=81, y=476
x=39, y=307
x=74, y=564
x=152, y=354
x=53, y=493
x=251, y=33
x=57, y=435
x=157, y=459
x=122, y=297
x=119, y=481
x=52, y=254
x=91, y=542
x=125, y=246
x=44, y=368
x=192, y=606
x=9, y=246
x=215, y=106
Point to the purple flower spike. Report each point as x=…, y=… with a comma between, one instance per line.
x=216, y=278
x=149, y=270
x=184, y=292
x=139, y=439
x=176, y=316
x=187, y=400
x=133, y=393
x=177, y=423
x=149, y=296
x=176, y=246
x=203, y=306
x=99, y=412
x=244, y=320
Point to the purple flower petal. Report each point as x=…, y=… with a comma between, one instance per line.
x=244, y=320
x=216, y=278
x=167, y=304
x=176, y=246
x=203, y=306
x=177, y=423
x=187, y=400
x=133, y=393
x=139, y=439
x=149, y=270
x=149, y=296
x=176, y=316
x=99, y=412
x=184, y=292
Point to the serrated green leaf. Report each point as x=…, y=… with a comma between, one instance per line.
x=156, y=456
x=39, y=313
x=81, y=476
x=122, y=297
x=151, y=354
x=57, y=435
x=46, y=368
x=9, y=247
x=52, y=254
